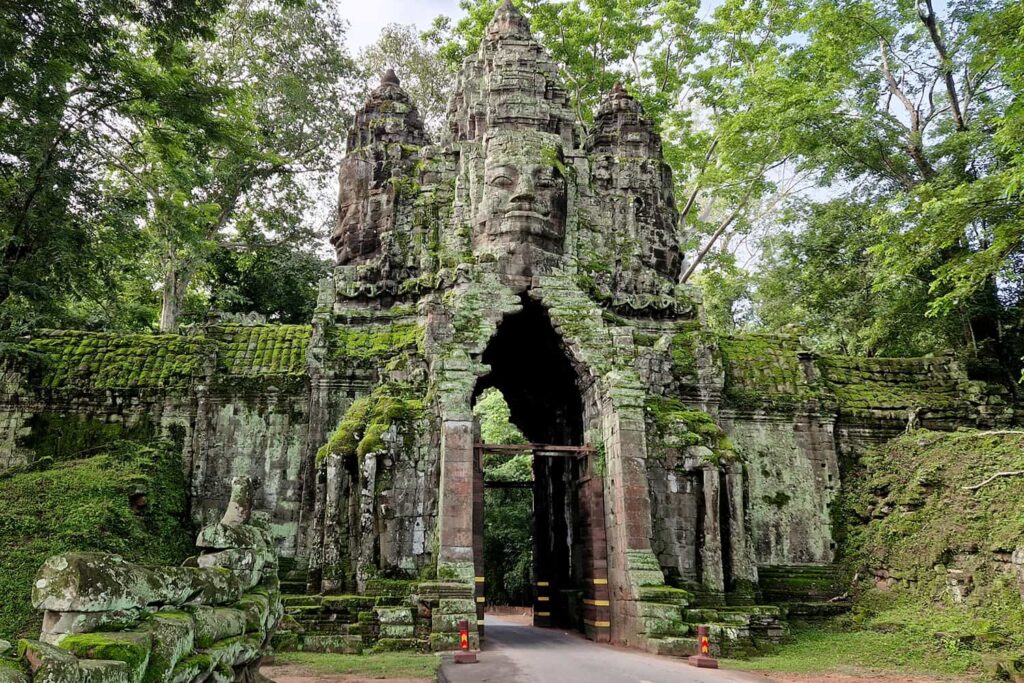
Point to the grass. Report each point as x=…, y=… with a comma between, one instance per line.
x=843, y=649
x=380, y=666
x=86, y=505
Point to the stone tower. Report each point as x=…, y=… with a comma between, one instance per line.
x=678, y=474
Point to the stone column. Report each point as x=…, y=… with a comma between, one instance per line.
x=712, y=574
x=741, y=549
x=456, y=523
x=631, y=562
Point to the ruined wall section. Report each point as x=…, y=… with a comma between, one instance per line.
x=108, y=620
x=233, y=397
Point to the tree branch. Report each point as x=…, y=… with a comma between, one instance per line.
x=696, y=187
x=997, y=475
x=927, y=14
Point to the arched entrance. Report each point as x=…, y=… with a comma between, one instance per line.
x=530, y=367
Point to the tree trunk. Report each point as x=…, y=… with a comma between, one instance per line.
x=176, y=281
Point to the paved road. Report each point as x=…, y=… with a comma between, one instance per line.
x=523, y=654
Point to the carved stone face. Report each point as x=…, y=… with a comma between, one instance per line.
x=524, y=197
x=356, y=235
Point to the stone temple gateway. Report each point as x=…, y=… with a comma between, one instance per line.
x=682, y=476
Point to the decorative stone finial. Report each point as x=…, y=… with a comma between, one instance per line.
x=390, y=78
x=509, y=22
x=240, y=507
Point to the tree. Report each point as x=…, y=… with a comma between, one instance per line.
x=914, y=129
x=285, y=69
x=70, y=72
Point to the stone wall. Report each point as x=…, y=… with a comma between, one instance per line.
x=106, y=620
x=235, y=398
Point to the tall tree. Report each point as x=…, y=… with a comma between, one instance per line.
x=285, y=68
x=70, y=71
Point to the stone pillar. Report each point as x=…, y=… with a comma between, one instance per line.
x=456, y=523
x=712, y=574
x=334, y=539
x=741, y=549
x=631, y=562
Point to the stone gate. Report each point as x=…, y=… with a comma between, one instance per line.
x=525, y=252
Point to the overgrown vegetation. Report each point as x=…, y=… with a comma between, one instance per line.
x=368, y=419
x=928, y=553
x=508, y=513
x=931, y=549
x=129, y=499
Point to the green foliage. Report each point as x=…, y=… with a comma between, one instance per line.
x=278, y=280
x=85, y=505
x=906, y=508
x=72, y=72
x=846, y=648
x=137, y=145
x=367, y=419
x=496, y=419
x=56, y=437
x=508, y=513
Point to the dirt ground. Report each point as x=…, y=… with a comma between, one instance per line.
x=292, y=673
x=850, y=678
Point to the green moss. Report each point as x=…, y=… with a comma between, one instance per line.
x=68, y=436
x=684, y=350
x=367, y=419
x=101, y=360
x=369, y=342
x=906, y=509
x=764, y=371
x=86, y=505
x=779, y=500
x=132, y=649
x=897, y=384
x=673, y=425
x=261, y=350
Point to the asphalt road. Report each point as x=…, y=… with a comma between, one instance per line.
x=524, y=654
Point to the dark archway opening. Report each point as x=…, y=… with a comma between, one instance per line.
x=531, y=370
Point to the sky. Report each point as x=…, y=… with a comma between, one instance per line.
x=368, y=17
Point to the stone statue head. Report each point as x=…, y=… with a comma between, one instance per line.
x=356, y=234
x=524, y=193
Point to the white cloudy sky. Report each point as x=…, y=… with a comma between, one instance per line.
x=368, y=17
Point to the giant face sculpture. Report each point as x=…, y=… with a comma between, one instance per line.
x=357, y=234
x=524, y=194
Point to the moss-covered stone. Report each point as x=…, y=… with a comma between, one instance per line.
x=933, y=550
x=173, y=636
x=214, y=624
x=104, y=671
x=367, y=419
x=47, y=663
x=131, y=647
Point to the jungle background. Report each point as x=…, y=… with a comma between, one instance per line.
x=848, y=170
